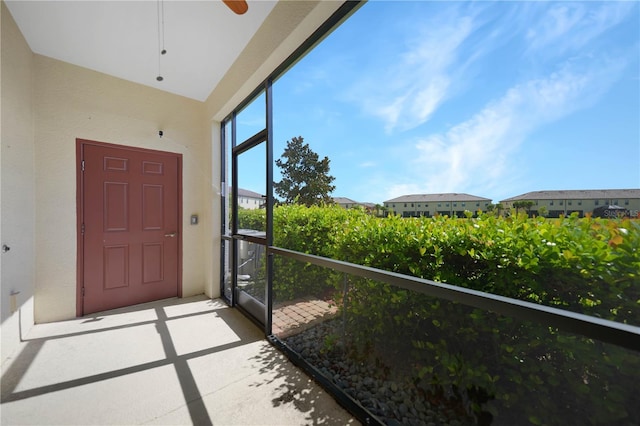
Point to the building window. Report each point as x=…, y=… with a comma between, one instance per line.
x=405, y=204
x=551, y=202
x=411, y=204
x=626, y=202
x=597, y=203
x=463, y=204
x=579, y=202
x=570, y=202
x=561, y=202
x=439, y=204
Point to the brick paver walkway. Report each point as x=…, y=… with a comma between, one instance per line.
x=296, y=316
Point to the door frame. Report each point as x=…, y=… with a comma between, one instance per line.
x=80, y=144
x=261, y=314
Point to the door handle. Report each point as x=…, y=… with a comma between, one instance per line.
x=173, y=234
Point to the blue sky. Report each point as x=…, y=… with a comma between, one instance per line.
x=494, y=99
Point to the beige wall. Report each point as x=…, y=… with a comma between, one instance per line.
x=17, y=187
x=72, y=102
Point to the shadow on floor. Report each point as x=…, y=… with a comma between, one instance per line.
x=295, y=388
x=168, y=337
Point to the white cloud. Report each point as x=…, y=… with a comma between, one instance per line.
x=569, y=26
x=435, y=63
x=406, y=93
x=368, y=164
x=477, y=154
x=523, y=65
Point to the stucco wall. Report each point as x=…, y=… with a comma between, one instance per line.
x=72, y=102
x=17, y=188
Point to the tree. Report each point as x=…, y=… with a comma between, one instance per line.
x=523, y=205
x=305, y=178
x=379, y=210
x=543, y=211
x=496, y=209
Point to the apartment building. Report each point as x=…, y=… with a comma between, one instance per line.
x=416, y=205
x=347, y=203
x=565, y=202
x=249, y=199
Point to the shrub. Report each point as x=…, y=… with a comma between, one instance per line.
x=490, y=363
x=255, y=219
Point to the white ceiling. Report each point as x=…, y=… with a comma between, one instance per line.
x=120, y=38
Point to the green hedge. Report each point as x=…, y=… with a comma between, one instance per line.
x=252, y=219
x=587, y=265
x=584, y=265
x=309, y=230
x=490, y=363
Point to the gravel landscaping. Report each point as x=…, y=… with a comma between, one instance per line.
x=393, y=399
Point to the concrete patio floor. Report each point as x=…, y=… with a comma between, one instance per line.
x=172, y=362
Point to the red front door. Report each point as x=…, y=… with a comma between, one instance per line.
x=129, y=226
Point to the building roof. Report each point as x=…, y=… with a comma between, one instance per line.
x=433, y=198
x=344, y=200
x=247, y=193
x=580, y=194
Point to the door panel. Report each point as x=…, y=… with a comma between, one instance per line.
x=116, y=266
x=152, y=263
x=130, y=211
x=152, y=211
x=116, y=196
x=250, y=261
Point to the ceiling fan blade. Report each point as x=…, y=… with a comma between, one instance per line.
x=238, y=6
